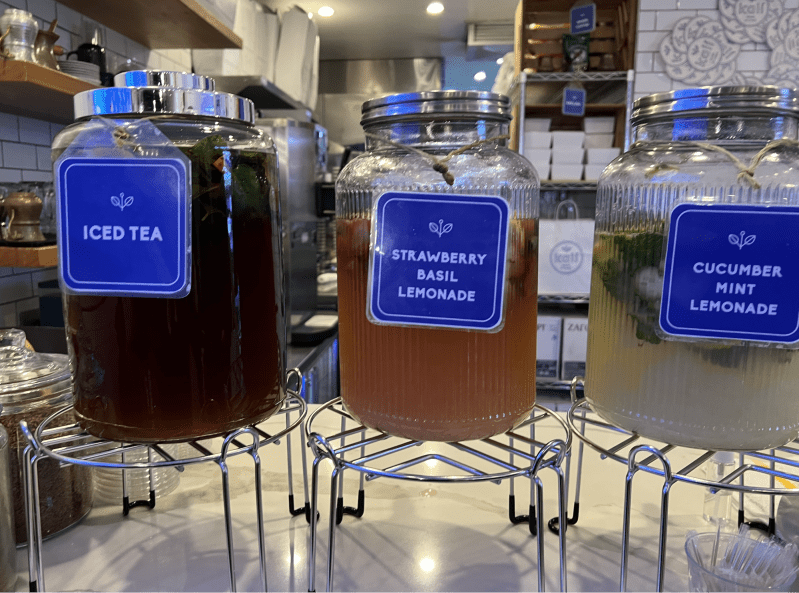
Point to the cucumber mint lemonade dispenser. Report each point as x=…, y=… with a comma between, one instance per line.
x=693, y=319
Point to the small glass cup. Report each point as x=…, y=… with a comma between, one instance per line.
x=732, y=562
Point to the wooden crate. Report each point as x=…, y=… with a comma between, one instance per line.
x=541, y=24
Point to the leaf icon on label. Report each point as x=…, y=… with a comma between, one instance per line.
x=122, y=202
x=742, y=240
x=440, y=228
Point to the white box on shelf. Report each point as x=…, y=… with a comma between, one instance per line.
x=599, y=124
x=567, y=139
x=547, y=350
x=542, y=169
x=310, y=65
x=567, y=156
x=537, y=140
x=223, y=10
x=537, y=124
x=592, y=172
x=575, y=345
x=598, y=140
x=537, y=155
x=601, y=156
x=563, y=172
x=293, y=63
x=267, y=31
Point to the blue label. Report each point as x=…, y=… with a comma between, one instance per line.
x=123, y=226
x=573, y=101
x=438, y=260
x=732, y=272
x=583, y=19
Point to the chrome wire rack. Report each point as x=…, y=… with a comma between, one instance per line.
x=71, y=445
x=641, y=455
x=382, y=456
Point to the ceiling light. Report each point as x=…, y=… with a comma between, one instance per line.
x=500, y=60
x=325, y=11
x=435, y=8
x=480, y=76
x=310, y=15
x=427, y=564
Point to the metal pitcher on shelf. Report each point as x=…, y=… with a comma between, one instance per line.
x=19, y=217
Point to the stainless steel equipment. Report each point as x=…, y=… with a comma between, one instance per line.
x=301, y=149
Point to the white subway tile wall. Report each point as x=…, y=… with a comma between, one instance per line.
x=656, y=19
x=25, y=142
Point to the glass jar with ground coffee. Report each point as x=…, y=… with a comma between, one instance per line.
x=208, y=360
x=32, y=387
x=8, y=551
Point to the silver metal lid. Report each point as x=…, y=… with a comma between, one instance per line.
x=165, y=78
x=767, y=100
x=437, y=105
x=156, y=92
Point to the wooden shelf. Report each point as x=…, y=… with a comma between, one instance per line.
x=29, y=257
x=160, y=24
x=38, y=92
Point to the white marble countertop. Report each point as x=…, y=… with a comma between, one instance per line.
x=413, y=535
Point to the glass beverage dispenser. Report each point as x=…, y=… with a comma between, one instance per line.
x=437, y=243
x=170, y=252
x=694, y=321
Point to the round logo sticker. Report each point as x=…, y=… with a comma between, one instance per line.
x=566, y=257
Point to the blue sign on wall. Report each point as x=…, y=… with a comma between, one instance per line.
x=573, y=101
x=732, y=271
x=582, y=19
x=438, y=260
x=123, y=226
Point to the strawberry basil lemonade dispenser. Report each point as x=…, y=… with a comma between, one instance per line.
x=437, y=242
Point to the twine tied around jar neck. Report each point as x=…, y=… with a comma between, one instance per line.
x=122, y=138
x=746, y=173
x=439, y=164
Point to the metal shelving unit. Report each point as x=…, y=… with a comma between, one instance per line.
x=563, y=299
x=590, y=75
x=519, y=96
x=568, y=186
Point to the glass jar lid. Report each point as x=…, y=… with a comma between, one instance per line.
x=437, y=105
x=709, y=101
x=163, y=92
x=26, y=375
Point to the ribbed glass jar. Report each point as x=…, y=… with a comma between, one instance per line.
x=705, y=392
x=428, y=383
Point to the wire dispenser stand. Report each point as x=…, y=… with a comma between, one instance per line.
x=384, y=456
x=69, y=444
x=639, y=455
